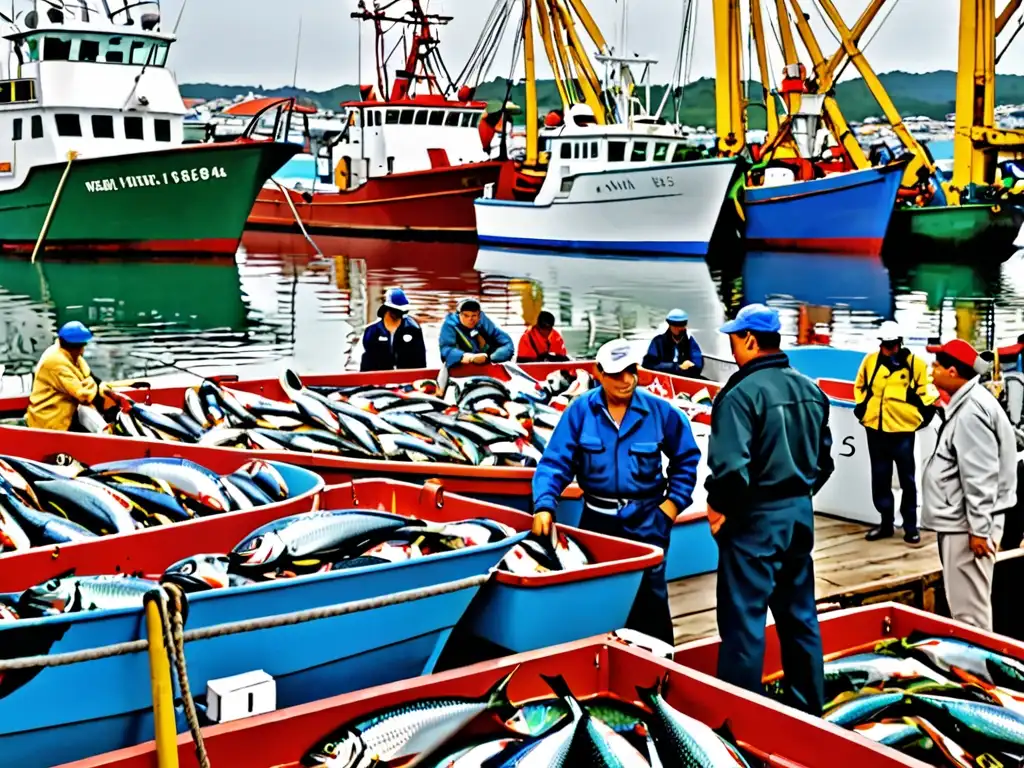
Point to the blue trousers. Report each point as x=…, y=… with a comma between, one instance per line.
x=643, y=522
x=764, y=560
x=886, y=449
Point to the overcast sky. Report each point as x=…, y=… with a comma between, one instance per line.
x=253, y=41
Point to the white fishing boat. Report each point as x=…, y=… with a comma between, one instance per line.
x=613, y=175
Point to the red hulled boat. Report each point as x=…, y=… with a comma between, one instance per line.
x=410, y=165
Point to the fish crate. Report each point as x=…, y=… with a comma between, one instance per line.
x=774, y=735
x=693, y=550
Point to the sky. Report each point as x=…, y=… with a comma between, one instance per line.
x=254, y=41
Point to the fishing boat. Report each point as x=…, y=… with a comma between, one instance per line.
x=602, y=176
x=366, y=648
x=408, y=163
x=693, y=549
x=942, y=232
x=595, y=667
x=93, y=154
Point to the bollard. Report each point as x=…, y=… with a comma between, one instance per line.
x=164, y=722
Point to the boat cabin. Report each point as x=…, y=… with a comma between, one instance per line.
x=384, y=137
x=79, y=80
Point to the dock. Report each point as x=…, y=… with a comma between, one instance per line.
x=848, y=571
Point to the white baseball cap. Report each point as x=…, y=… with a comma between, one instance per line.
x=889, y=331
x=616, y=356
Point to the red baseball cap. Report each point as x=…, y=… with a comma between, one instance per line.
x=962, y=352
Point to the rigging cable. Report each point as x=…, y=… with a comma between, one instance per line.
x=864, y=47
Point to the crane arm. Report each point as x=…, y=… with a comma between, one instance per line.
x=728, y=88
x=546, y=36
x=757, y=26
x=589, y=82
x=529, y=62
x=1004, y=18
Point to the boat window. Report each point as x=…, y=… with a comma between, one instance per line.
x=680, y=154
x=16, y=129
x=391, y=117
x=160, y=57
x=639, y=152
x=140, y=52
x=660, y=152
x=68, y=125
x=24, y=90
x=452, y=119
x=437, y=117
x=616, y=151
x=566, y=151
x=595, y=150
x=89, y=50
x=37, y=126
x=421, y=116
x=133, y=128
x=103, y=126
x=576, y=150
x=467, y=119
x=162, y=130
x=407, y=116
x=56, y=49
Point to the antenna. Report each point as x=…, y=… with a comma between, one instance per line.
x=298, y=44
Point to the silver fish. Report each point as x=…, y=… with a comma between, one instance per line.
x=203, y=572
x=83, y=593
x=91, y=504
x=192, y=480
x=417, y=728
x=42, y=528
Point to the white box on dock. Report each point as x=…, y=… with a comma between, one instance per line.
x=238, y=696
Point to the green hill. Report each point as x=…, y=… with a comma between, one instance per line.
x=930, y=94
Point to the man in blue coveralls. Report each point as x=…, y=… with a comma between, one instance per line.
x=770, y=451
x=611, y=439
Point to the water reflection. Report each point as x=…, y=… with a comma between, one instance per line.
x=281, y=302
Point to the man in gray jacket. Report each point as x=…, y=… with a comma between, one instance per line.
x=969, y=482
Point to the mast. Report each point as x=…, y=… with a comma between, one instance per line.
x=757, y=27
x=532, y=129
x=728, y=89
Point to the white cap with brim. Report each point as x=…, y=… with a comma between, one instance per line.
x=618, y=355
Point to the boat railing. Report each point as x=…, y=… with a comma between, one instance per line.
x=166, y=609
x=279, y=108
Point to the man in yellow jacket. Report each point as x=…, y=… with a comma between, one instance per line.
x=62, y=381
x=895, y=397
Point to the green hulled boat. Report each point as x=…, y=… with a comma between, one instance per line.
x=965, y=232
x=90, y=84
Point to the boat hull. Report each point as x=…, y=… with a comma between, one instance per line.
x=430, y=203
x=365, y=648
x=668, y=209
x=692, y=549
x=970, y=232
x=192, y=199
x=840, y=213
x=771, y=733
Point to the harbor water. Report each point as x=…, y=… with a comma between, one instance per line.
x=278, y=302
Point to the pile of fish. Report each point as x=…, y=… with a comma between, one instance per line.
x=43, y=504
x=298, y=545
x=941, y=700
x=478, y=420
x=557, y=732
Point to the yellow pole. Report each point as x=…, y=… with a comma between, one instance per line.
x=878, y=91
x=757, y=26
x=589, y=81
x=558, y=36
x=728, y=88
x=789, y=52
x=532, y=139
x=164, y=724
x=833, y=115
x=53, y=206
x=544, y=27
x=839, y=57
x=964, y=154
x=1004, y=17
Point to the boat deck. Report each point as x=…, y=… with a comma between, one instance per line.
x=848, y=571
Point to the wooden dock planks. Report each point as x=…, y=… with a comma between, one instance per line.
x=848, y=571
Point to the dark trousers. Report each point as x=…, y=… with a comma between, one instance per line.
x=650, y=613
x=1013, y=531
x=886, y=449
x=764, y=561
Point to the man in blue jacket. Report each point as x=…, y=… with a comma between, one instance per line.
x=611, y=439
x=675, y=351
x=468, y=336
x=396, y=340
x=770, y=451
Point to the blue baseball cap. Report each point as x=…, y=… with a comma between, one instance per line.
x=754, y=317
x=74, y=333
x=396, y=299
x=676, y=317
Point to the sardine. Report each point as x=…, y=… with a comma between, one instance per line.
x=418, y=728
x=83, y=593
x=864, y=708
x=267, y=477
x=875, y=670
x=193, y=480
x=979, y=727
x=92, y=505
x=683, y=741
x=949, y=654
x=43, y=528
x=319, y=536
